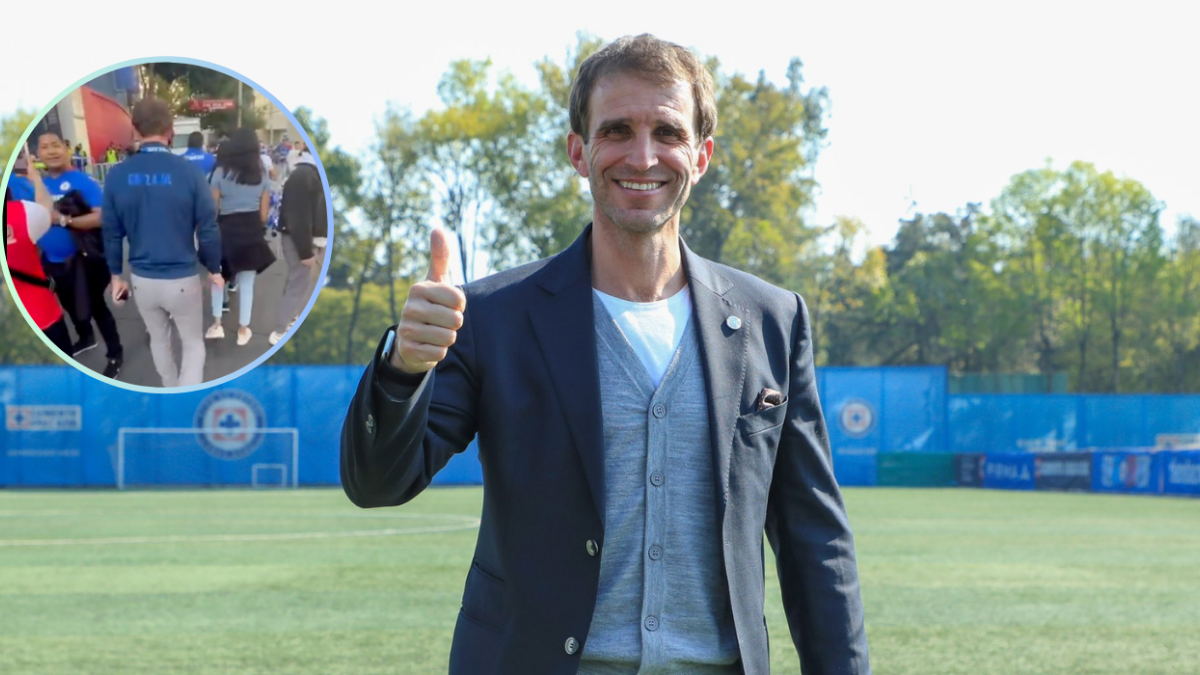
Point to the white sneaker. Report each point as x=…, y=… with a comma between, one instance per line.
x=275, y=337
x=215, y=332
x=243, y=336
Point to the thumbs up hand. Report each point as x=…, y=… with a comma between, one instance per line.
x=432, y=314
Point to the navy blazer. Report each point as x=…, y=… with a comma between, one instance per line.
x=523, y=376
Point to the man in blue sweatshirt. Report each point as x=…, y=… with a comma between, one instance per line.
x=162, y=204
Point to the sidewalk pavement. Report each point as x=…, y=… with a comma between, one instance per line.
x=222, y=356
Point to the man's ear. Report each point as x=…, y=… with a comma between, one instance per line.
x=575, y=150
x=702, y=159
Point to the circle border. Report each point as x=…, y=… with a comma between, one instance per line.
x=225, y=379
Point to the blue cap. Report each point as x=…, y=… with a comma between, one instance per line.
x=57, y=244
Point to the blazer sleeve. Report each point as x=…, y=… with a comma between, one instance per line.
x=809, y=531
x=396, y=437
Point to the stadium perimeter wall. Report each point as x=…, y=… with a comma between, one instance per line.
x=887, y=426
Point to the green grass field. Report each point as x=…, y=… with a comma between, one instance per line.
x=954, y=581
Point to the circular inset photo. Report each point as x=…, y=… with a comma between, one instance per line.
x=167, y=225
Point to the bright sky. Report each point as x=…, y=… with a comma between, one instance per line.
x=934, y=102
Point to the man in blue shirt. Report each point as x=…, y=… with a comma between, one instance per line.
x=164, y=207
x=80, y=283
x=196, y=154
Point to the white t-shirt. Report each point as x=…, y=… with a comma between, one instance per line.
x=653, y=329
x=268, y=167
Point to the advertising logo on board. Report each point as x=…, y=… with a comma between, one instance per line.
x=857, y=418
x=1009, y=472
x=228, y=420
x=1125, y=471
x=969, y=468
x=1183, y=470
x=43, y=417
x=1063, y=471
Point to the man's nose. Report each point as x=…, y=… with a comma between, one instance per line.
x=642, y=154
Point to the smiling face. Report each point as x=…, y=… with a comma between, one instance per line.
x=53, y=153
x=641, y=156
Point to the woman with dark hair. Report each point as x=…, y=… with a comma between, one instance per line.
x=242, y=195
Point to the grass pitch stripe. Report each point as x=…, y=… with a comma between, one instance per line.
x=468, y=524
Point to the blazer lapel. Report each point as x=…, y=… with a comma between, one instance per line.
x=565, y=328
x=723, y=329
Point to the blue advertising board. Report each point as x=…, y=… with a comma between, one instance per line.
x=869, y=411
x=1127, y=471
x=65, y=429
x=1181, y=473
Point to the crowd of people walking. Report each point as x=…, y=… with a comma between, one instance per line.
x=165, y=216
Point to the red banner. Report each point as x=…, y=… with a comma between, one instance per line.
x=211, y=104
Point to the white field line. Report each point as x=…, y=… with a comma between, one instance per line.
x=225, y=515
x=471, y=524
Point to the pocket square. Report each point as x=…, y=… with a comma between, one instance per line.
x=768, y=398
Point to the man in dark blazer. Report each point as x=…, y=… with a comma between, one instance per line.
x=622, y=525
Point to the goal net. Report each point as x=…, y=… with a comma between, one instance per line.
x=207, y=457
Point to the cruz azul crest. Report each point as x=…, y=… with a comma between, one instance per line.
x=228, y=421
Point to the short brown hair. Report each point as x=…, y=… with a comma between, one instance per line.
x=152, y=117
x=657, y=60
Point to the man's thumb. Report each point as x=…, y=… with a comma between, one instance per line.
x=439, y=258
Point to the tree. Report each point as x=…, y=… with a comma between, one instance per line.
x=463, y=146
x=951, y=303
x=341, y=168
x=398, y=199
x=847, y=301
x=1128, y=240
x=202, y=83
x=760, y=178
x=1176, y=306
x=1085, y=247
x=540, y=203
x=322, y=337
x=12, y=127
x=1050, y=263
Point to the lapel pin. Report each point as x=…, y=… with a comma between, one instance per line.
x=733, y=322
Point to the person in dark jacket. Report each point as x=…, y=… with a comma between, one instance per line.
x=304, y=222
x=161, y=203
x=643, y=417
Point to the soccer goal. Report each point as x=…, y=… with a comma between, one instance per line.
x=207, y=457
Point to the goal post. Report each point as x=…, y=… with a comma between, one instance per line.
x=207, y=456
